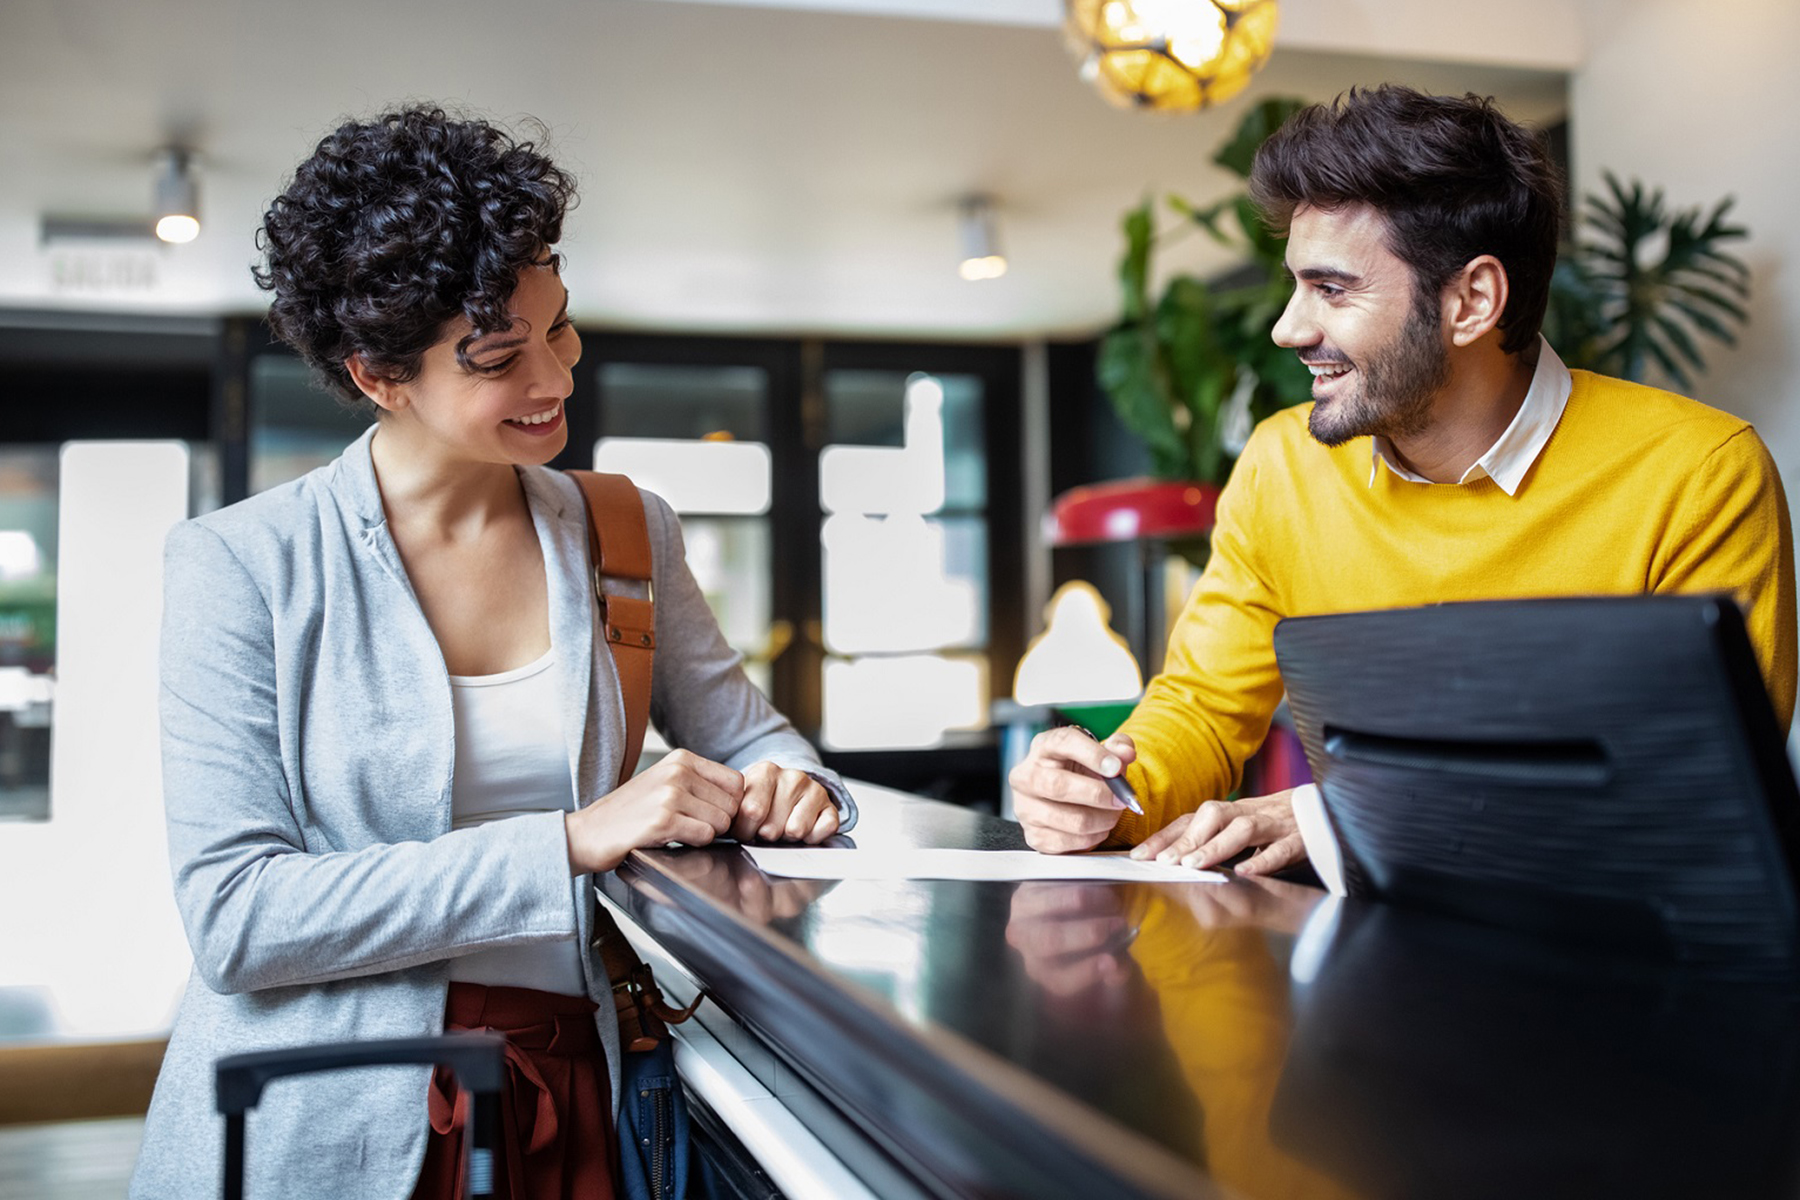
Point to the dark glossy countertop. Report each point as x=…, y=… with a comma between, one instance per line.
x=1249, y=1039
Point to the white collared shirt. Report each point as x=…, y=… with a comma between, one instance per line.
x=1507, y=460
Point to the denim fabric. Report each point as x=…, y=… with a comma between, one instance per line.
x=653, y=1126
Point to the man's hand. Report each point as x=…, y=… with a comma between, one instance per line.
x=1060, y=793
x=781, y=804
x=1221, y=829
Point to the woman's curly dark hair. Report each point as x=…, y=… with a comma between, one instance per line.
x=397, y=225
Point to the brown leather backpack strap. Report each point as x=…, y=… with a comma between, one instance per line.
x=619, y=548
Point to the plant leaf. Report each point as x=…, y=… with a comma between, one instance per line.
x=1134, y=265
x=1238, y=154
x=1708, y=296
x=1704, y=321
x=1679, y=341
x=1128, y=370
x=1668, y=364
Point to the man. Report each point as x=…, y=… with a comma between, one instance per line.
x=1447, y=455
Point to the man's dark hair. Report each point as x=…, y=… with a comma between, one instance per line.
x=397, y=225
x=1453, y=178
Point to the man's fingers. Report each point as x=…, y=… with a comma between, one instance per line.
x=1064, y=783
x=1238, y=834
x=1277, y=855
x=1186, y=833
x=1059, y=792
x=1054, y=841
x=1074, y=747
x=1163, y=838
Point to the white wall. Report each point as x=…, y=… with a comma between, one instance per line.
x=1704, y=100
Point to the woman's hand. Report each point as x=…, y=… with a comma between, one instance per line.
x=684, y=798
x=781, y=804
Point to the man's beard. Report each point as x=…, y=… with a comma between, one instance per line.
x=1397, y=386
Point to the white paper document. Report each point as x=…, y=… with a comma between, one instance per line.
x=907, y=862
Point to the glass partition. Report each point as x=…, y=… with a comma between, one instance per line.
x=28, y=529
x=903, y=489
x=697, y=437
x=294, y=426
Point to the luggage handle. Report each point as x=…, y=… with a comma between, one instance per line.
x=478, y=1060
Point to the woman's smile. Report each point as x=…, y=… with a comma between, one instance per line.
x=538, y=424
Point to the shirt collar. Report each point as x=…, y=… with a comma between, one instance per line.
x=1510, y=457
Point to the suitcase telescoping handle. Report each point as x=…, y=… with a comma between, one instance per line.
x=478, y=1059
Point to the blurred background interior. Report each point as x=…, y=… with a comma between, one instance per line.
x=842, y=270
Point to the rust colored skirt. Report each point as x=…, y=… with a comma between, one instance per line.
x=557, y=1139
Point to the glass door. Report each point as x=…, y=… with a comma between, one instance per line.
x=697, y=436
x=918, y=498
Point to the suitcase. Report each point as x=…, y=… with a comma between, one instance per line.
x=477, y=1059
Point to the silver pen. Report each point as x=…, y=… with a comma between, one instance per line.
x=1116, y=783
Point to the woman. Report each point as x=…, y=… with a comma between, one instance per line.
x=390, y=737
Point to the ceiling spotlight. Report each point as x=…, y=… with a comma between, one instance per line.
x=177, y=197
x=981, y=246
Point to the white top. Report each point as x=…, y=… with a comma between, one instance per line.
x=511, y=761
x=1507, y=460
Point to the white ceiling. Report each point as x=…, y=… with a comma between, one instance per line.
x=745, y=167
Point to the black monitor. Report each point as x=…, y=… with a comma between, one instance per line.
x=1606, y=770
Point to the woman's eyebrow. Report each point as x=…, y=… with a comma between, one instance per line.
x=506, y=341
x=493, y=342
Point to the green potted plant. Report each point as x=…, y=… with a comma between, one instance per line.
x=1191, y=368
x=1641, y=285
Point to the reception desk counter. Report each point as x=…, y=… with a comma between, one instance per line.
x=1254, y=1039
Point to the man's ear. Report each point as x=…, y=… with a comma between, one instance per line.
x=383, y=392
x=1474, y=300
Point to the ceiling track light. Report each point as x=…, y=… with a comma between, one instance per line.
x=177, y=210
x=981, y=244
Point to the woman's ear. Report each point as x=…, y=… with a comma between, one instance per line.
x=384, y=393
x=1476, y=299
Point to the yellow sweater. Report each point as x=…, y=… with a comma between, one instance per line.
x=1637, y=490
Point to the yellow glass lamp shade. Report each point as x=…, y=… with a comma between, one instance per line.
x=1078, y=659
x=1170, y=55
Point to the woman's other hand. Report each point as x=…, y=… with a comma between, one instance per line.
x=684, y=798
x=782, y=804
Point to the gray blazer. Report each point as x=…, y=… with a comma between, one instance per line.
x=307, y=749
